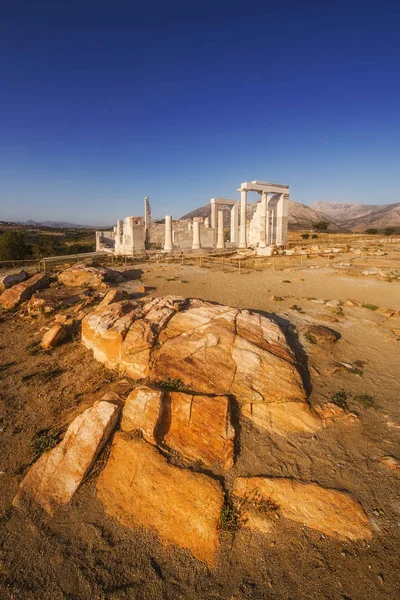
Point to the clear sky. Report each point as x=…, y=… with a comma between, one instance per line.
x=103, y=103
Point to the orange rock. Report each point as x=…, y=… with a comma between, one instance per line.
x=391, y=462
x=332, y=512
x=283, y=417
x=200, y=428
x=56, y=476
x=141, y=489
x=136, y=349
x=320, y=334
x=13, y=296
x=51, y=300
x=114, y=295
x=142, y=411
x=54, y=336
x=104, y=330
x=84, y=275
x=330, y=413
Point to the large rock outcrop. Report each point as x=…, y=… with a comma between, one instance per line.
x=212, y=349
x=81, y=275
x=16, y=294
x=140, y=488
x=57, y=474
x=197, y=426
x=332, y=512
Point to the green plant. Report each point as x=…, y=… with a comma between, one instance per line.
x=366, y=400
x=340, y=399
x=45, y=440
x=266, y=506
x=172, y=384
x=231, y=516
x=297, y=308
x=305, y=236
x=321, y=225
x=5, y=514
x=278, y=299
x=355, y=371
x=372, y=231
x=13, y=246
x=310, y=338
x=371, y=306
x=314, y=236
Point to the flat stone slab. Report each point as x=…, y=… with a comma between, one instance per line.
x=13, y=296
x=82, y=275
x=7, y=281
x=140, y=488
x=332, y=512
x=55, y=476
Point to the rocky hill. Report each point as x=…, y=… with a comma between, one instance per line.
x=359, y=217
x=300, y=215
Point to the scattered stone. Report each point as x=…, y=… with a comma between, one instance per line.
x=48, y=301
x=13, y=296
x=54, y=336
x=114, y=295
x=319, y=334
x=333, y=303
x=329, y=511
x=318, y=300
x=326, y=318
x=140, y=488
x=56, y=476
x=396, y=332
x=7, y=281
x=330, y=413
x=391, y=462
x=82, y=275
x=283, y=417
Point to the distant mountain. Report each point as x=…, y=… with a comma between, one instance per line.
x=359, y=217
x=300, y=215
x=61, y=225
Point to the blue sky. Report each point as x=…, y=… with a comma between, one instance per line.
x=102, y=103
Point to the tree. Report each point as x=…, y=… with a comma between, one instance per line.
x=389, y=230
x=371, y=231
x=13, y=246
x=321, y=225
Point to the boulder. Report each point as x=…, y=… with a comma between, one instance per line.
x=141, y=489
x=200, y=428
x=283, y=417
x=13, y=296
x=48, y=301
x=113, y=295
x=7, y=281
x=329, y=511
x=57, y=474
x=319, y=334
x=221, y=350
x=82, y=275
x=213, y=349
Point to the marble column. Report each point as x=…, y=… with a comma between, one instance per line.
x=243, y=219
x=196, y=236
x=214, y=220
x=207, y=223
x=220, y=237
x=273, y=226
x=234, y=224
x=190, y=226
x=168, y=247
x=267, y=227
x=279, y=220
x=263, y=215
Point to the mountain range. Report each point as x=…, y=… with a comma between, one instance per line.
x=341, y=216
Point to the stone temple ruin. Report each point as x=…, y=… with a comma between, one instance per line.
x=267, y=227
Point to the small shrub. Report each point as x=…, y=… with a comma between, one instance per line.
x=172, y=384
x=278, y=299
x=355, y=371
x=305, y=236
x=45, y=440
x=296, y=308
x=370, y=306
x=231, y=516
x=321, y=226
x=366, y=400
x=340, y=399
x=265, y=506
x=33, y=348
x=314, y=236
x=310, y=338
x=372, y=231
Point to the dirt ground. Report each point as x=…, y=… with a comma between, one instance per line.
x=81, y=553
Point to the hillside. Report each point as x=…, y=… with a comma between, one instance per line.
x=300, y=215
x=359, y=217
